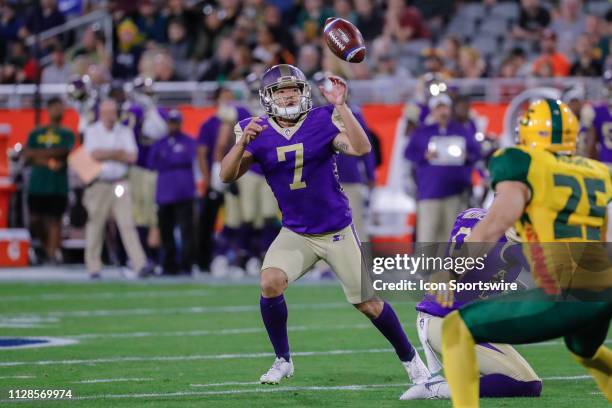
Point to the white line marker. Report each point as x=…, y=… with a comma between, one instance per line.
x=109, y=380
x=221, y=332
x=17, y=377
x=172, y=311
x=223, y=384
x=259, y=390
x=107, y=295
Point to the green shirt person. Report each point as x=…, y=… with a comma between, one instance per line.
x=47, y=153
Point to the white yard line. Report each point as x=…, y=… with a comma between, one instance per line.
x=220, y=332
x=109, y=380
x=17, y=377
x=107, y=295
x=199, y=357
x=168, y=311
x=183, y=358
x=258, y=390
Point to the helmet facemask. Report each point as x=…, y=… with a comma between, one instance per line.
x=273, y=108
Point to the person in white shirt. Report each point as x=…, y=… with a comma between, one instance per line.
x=115, y=146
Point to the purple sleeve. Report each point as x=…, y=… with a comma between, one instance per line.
x=473, y=148
x=370, y=166
x=415, y=151
x=203, y=135
x=152, y=162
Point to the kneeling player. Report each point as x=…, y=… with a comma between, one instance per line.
x=503, y=371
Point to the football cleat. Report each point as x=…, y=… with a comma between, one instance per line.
x=416, y=369
x=280, y=369
x=434, y=388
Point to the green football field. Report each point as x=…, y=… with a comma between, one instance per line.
x=169, y=344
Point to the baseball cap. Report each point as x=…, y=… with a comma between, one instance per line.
x=440, y=99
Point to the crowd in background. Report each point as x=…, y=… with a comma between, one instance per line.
x=177, y=40
x=160, y=222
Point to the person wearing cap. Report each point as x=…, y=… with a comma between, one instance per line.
x=443, y=155
x=557, y=61
x=173, y=158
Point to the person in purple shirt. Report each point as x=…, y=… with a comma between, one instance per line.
x=173, y=159
x=443, y=155
x=211, y=131
x=296, y=147
x=356, y=174
x=599, y=137
x=504, y=372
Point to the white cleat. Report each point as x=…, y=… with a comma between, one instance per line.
x=417, y=370
x=434, y=388
x=279, y=370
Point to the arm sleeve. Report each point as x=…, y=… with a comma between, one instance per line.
x=473, y=149
x=130, y=141
x=415, y=150
x=510, y=164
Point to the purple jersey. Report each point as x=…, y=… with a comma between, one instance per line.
x=602, y=123
x=132, y=116
x=357, y=170
x=299, y=164
x=441, y=181
x=505, y=262
x=173, y=157
x=209, y=133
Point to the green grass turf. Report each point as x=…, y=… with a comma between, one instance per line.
x=166, y=308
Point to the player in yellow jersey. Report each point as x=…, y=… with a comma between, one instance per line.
x=556, y=202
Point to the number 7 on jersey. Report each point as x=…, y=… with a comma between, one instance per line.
x=298, y=148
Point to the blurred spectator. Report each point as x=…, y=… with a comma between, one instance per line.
x=434, y=64
x=47, y=151
x=20, y=67
x=568, y=24
x=551, y=62
x=269, y=51
x=471, y=65
x=585, y=64
x=605, y=44
x=173, y=159
x=58, y=72
x=436, y=12
x=42, y=18
x=442, y=180
x=91, y=45
x=10, y=25
x=533, y=18
x=222, y=62
x=404, y=22
x=242, y=63
x=278, y=27
x=309, y=60
x=222, y=122
x=449, y=51
x=128, y=52
x=114, y=145
x=163, y=68
x=311, y=19
x=151, y=24
x=180, y=48
x=370, y=19
x=210, y=33
x=386, y=67
x=192, y=17
x=344, y=9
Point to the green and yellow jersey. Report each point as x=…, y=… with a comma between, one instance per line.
x=567, y=204
x=568, y=197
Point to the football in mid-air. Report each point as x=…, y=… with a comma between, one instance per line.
x=344, y=39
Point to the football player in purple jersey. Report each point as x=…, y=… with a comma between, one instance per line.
x=503, y=371
x=296, y=147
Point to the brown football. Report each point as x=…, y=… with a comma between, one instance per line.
x=344, y=39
